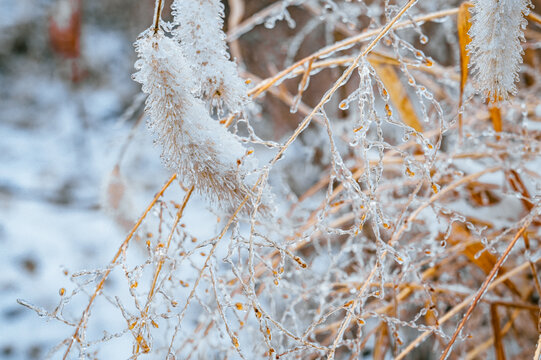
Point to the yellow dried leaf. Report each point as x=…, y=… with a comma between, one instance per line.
x=398, y=95
x=496, y=117
x=463, y=26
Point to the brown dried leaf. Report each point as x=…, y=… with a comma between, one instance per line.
x=498, y=343
x=65, y=28
x=518, y=185
x=460, y=234
x=116, y=200
x=382, y=342
x=486, y=261
x=483, y=194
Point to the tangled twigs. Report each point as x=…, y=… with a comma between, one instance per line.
x=84, y=317
x=461, y=306
x=346, y=73
x=145, y=313
x=260, y=88
x=483, y=289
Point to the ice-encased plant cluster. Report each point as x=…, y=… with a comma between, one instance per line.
x=186, y=73
x=393, y=235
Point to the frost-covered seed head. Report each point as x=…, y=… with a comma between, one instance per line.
x=201, y=150
x=199, y=31
x=496, y=32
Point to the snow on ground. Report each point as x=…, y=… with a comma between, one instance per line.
x=58, y=144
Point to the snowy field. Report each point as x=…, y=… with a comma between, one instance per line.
x=59, y=141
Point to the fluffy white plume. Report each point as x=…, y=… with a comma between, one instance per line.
x=201, y=150
x=199, y=30
x=495, y=50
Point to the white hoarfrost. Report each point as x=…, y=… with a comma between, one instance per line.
x=199, y=31
x=201, y=150
x=496, y=32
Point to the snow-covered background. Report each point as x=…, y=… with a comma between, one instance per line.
x=59, y=141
